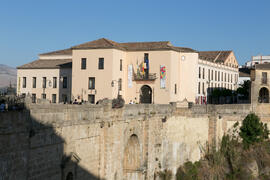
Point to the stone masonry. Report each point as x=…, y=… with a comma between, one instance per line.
x=59, y=142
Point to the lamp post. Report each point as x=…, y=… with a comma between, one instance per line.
x=118, y=82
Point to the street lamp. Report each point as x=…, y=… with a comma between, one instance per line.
x=118, y=82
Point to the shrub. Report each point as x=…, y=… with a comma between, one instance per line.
x=119, y=102
x=253, y=131
x=165, y=175
x=188, y=172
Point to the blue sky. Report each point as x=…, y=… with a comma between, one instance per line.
x=30, y=27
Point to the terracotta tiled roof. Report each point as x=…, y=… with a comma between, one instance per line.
x=214, y=56
x=47, y=64
x=59, y=52
x=131, y=46
x=262, y=66
x=99, y=44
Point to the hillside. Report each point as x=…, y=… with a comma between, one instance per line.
x=7, y=75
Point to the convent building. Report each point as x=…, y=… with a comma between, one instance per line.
x=139, y=72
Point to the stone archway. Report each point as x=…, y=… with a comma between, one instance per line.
x=132, y=159
x=146, y=94
x=264, y=95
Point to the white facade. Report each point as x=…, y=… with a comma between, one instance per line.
x=257, y=60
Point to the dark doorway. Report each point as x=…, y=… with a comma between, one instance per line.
x=69, y=176
x=264, y=95
x=146, y=95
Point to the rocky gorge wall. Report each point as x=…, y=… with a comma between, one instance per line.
x=97, y=142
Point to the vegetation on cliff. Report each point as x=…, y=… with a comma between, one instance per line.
x=244, y=153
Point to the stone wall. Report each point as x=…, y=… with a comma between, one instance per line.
x=96, y=142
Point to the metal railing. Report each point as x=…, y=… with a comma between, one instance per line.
x=150, y=77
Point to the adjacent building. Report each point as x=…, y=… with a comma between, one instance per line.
x=260, y=83
x=139, y=72
x=49, y=77
x=257, y=60
x=217, y=69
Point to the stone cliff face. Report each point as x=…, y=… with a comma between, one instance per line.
x=96, y=142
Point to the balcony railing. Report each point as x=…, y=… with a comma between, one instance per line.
x=139, y=77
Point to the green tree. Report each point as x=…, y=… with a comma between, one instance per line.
x=252, y=130
x=244, y=89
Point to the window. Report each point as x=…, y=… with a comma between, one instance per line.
x=120, y=84
x=175, y=88
x=264, y=77
x=203, y=73
x=215, y=75
x=212, y=75
x=91, y=83
x=203, y=88
x=146, y=55
x=34, y=82
x=209, y=74
x=91, y=98
x=101, y=63
x=44, y=82
x=53, y=98
x=23, y=95
x=43, y=96
x=54, y=82
x=34, y=97
x=121, y=64
x=231, y=78
x=83, y=63
x=199, y=88
x=221, y=76
x=64, y=98
x=199, y=72
x=24, y=82
x=218, y=76
x=65, y=82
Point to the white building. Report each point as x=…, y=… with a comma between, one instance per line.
x=217, y=69
x=257, y=60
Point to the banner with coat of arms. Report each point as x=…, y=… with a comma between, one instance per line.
x=162, y=77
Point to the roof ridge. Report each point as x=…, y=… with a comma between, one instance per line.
x=218, y=51
x=108, y=41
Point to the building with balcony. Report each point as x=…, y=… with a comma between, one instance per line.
x=139, y=72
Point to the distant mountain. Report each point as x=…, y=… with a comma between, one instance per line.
x=7, y=75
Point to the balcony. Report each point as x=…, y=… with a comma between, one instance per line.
x=139, y=77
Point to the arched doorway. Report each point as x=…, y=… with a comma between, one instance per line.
x=264, y=95
x=132, y=156
x=146, y=94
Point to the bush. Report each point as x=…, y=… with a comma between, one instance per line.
x=119, y=102
x=165, y=175
x=188, y=172
x=253, y=131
